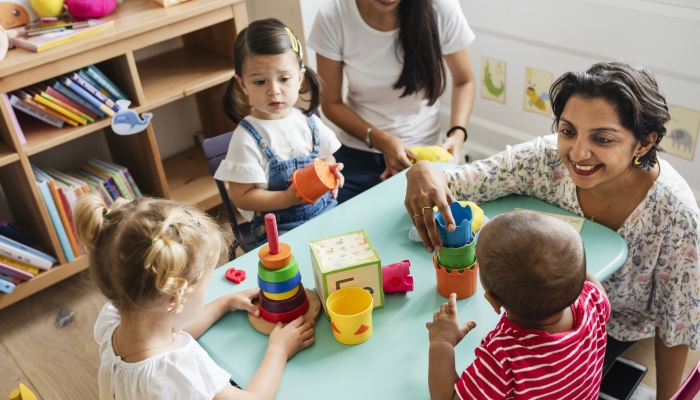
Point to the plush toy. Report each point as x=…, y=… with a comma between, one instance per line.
x=48, y=9
x=431, y=153
x=85, y=9
x=14, y=13
x=4, y=43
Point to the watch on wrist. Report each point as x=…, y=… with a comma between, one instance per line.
x=460, y=128
x=368, y=139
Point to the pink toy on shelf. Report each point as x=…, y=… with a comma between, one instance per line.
x=396, y=277
x=85, y=9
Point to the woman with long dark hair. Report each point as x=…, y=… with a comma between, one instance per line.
x=392, y=53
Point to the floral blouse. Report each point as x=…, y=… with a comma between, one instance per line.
x=659, y=284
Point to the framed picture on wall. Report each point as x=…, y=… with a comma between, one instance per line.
x=681, y=132
x=536, y=91
x=493, y=84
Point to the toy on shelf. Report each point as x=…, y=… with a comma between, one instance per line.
x=23, y=393
x=168, y=3
x=456, y=266
x=397, y=277
x=87, y=9
x=346, y=260
x=313, y=181
x=16, y=13
x=431, y=153
x=350, y=310
x=282, y=295
x=48, y=10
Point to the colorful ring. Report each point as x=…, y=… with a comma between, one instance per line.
x=279, y=307
x=275, y=261
x=281, y=296
x=285, y=317
x=280, y=287
x=278, y=275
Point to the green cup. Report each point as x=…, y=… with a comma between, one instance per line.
x=457, y=257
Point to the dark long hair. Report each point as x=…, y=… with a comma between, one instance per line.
x=640, y=104
x=422, y=56
x=265, y=37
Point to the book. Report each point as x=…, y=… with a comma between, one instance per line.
x=126, y=175
x=35, y=112
x=85, y=95
x=29, y=99
x=53, y=39
x=19, y=265
x=53, y=92
x=121, y=183
x=67, y=106
x=80, y=188
x=42, y=182
x=96, y=85
x=43, y=260
x=10, y=231
x=13, y=118
x=63, y=212
x=95, y=185
x=93, y=91
x=15, y=272
x=102, y=79
x=59, y=109
x=76, y=98
x=106, y=180
x=10, y=278
x=18, y=254
x=68, y=198
x=6, y=286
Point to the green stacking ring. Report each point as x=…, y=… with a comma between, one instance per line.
x=279, y=275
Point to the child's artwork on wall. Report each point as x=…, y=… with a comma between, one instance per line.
x=574, y=221
x=537, y=83
x=493, y=84
x=681, y=132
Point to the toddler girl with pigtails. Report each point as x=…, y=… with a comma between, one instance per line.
x=273, y=138
x=153, y=259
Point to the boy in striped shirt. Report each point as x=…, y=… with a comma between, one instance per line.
x=550, y=342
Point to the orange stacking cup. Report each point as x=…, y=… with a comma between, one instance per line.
x=462, y=283
x=313, y=181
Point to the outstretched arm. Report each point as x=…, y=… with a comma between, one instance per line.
x=463, y=91
x=213, y=311
x=247, y=197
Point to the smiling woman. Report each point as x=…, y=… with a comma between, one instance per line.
x=602, y=164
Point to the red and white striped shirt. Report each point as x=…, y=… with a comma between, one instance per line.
x=517, y=363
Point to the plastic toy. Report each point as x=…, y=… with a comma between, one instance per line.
x=396, y=277
x=23, y=393
x=313, y=181
x=48, y=10
x=127, y=122
x=283, y=297
x=350, y=312
x=431, y=153
x=14, y=13
x=456, y=265
x=235, y=275
x=85, y=9
x=346, y=260
x=477, y=213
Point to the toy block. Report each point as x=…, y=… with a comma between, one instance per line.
x=346, y=260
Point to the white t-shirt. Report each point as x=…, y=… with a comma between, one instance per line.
x=372, y=68
x=288, y=138
x=186, y=373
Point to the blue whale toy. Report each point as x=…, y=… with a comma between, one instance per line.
x=128, y=122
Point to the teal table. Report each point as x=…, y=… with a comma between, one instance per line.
x=393, y=363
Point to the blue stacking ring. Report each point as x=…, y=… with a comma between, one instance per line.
x=280, y=287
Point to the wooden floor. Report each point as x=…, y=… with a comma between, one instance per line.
x=62, y=363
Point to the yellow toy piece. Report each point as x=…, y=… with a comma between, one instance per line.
x=431, y=153
x=23, y=393
x=48, y=8
x=477, y=212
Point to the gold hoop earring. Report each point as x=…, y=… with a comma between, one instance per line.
x=637, y=161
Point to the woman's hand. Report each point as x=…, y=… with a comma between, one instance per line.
x=293, y=337
x=339, y=178
x=397, y=155
x=243, y=300
x=453, y=144
x=427, y=187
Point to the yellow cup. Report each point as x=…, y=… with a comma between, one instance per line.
x=351, y=314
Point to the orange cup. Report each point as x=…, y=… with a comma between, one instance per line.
x=313, y=181
x=463, y=282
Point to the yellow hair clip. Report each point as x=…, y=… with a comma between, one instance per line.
x=295, y=42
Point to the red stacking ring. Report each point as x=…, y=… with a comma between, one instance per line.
x=285, y=317
x=283, y=306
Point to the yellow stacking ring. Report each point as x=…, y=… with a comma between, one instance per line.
x=281, y=296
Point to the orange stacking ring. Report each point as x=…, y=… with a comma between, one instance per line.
x=275, y=261
x=281, y=296
x=285, y=317
x=313, y=181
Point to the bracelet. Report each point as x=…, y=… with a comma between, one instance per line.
x=455, y=128
x=368, y=140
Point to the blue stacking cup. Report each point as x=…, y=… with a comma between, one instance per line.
x=463, y=220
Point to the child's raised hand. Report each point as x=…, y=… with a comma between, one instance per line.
x=340, y=179
x=243, y=300
x=445, y=326
x=293, y=337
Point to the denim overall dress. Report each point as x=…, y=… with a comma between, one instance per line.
x=279, y=176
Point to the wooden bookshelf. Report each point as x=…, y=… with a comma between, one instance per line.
x=207, y=29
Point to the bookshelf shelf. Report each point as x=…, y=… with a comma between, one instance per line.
x=206, y=29
x=181, y=72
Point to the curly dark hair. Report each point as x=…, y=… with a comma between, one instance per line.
x=640, y=104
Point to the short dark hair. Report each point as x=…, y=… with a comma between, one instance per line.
x=265, y=37
x=533, y=262
x=640, y=104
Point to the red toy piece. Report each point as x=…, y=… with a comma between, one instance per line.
x=272, y=236
x=396, y=277
x=235, y=275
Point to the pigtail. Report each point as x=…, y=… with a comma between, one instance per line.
x=312, y=84
x=91, y=216
x=234, y=101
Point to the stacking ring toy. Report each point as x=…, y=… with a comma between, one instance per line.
x=281, y=296
x=279, y=307
x=275, y=261
x=285, y=317
x=278, y=275
x=280, y=287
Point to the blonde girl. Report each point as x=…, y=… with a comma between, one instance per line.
x=153, y=259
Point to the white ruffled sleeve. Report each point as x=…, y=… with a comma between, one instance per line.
x=243, y=162
x=108, y=317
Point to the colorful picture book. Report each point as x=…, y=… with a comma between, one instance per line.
x=46, y=41
x=18, y=261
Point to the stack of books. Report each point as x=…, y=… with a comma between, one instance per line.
x=19, y=262
x=46, y=36
x=60, y=191
x=78, y=98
